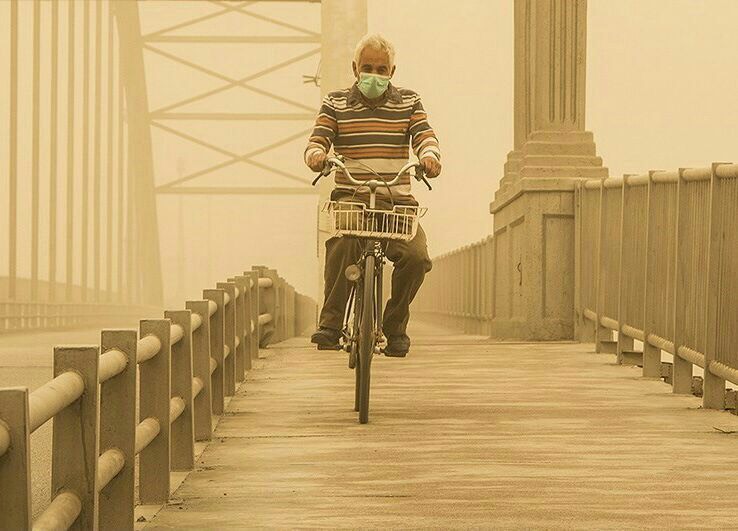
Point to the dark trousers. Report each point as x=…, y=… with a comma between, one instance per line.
x=411, y=263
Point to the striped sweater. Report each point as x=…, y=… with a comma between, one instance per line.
x=379, y=137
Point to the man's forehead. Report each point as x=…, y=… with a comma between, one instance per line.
x=373, y=56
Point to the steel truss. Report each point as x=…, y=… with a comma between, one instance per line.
x=173, y=111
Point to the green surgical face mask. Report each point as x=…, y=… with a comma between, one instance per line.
x=372, y=86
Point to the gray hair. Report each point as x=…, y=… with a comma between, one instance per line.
x=376, y=42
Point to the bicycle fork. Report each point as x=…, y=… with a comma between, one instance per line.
x=355, y=273
x=376, y=248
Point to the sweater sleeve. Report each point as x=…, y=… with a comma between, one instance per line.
x=324, y=131
x=425, y=142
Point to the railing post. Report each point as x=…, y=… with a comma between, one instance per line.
x=482, y=287
x=268, y=304
x=713, y=387
x=300, y=314
x=681, y=371
x=217, y=332
x=470, y=283
x=15, y=459
x=75, y=447
x=279, y=308
x=155, y=393
x=293, y=311
x=465, y=271
x=229, y=368
x=285, y=309
x=578, y=306
x=277, y=316
x=624, y=342
x=118, y=430
x=182, y=430
x=490, y=287
x=601, y=333
x=253, y=277
x=202, y=407
x=284, y=286
x=244, y=284
x=461, y=303
x=476, y=282
x=290, y=314
x=449, y=287
x=242, y=347
x=651, y=354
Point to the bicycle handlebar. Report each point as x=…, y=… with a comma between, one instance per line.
x=334, y=162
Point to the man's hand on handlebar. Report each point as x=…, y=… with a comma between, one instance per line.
x=431, y=166
x=316, y=161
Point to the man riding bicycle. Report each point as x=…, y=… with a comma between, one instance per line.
x=372, y=125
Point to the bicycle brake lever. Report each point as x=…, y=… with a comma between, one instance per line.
x=325, y=171
x=420, y=176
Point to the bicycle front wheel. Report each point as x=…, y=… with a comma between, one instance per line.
x=354, y=354
x=367, y=339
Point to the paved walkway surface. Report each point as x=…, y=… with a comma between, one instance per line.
x=462, y=433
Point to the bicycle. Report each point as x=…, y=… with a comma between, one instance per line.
x=362, y=335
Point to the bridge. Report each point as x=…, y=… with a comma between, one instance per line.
x=576, y=368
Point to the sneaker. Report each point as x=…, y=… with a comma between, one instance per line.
x=326, y=338
x=397, y=346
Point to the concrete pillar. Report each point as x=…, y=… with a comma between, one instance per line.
x=552, y=151
x=343, y=24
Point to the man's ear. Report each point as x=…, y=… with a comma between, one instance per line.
x=353, y=67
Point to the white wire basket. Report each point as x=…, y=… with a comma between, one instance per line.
x=356, y=219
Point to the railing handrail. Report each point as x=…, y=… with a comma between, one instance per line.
x=253, y=309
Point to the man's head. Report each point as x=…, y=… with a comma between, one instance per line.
x=374, y=55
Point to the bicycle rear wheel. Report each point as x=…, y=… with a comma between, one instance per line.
x=367, y=339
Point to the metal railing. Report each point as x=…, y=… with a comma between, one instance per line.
x=187, y=363
x=657, y=262
x=460, y=289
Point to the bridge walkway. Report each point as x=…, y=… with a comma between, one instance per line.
x=463, y=433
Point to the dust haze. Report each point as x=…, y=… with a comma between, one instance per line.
x=661, y=79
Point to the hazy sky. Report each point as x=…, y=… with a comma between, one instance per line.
x=661, y=93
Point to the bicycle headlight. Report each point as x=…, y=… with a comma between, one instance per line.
x=353, y=273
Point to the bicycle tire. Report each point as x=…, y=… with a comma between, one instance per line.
x=357, y=389
x=366, y=338
x=355, y=343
